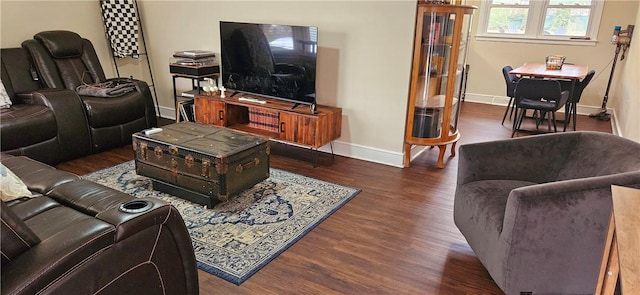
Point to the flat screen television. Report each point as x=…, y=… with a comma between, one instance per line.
x=271, y=60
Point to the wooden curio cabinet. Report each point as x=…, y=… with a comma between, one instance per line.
x=437, y=77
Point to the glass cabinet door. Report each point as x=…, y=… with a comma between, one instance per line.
x=430, y=97
x=437, y=78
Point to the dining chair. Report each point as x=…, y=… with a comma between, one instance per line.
x=510, y=80
x=545, y=96
x=572, y=103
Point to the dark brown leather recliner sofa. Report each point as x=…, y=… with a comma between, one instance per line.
x=65, y=60
x=75, y=236
x=45, y=124
x=48, y=120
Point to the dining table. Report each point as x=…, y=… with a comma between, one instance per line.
x=571, y=72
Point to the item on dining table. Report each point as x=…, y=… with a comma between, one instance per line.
x=555, y=62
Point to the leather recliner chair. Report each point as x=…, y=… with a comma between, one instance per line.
x=63, y=59
x=44, y=124
x=75, y=236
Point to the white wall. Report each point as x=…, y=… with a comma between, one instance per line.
x=364, y=54
x=20, y=20
x=628, y=95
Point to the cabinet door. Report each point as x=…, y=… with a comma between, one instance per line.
x=218, y=113
x=298, y=129
x=210, y=111
x=202, y=110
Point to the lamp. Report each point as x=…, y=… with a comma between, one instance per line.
x=622, y=40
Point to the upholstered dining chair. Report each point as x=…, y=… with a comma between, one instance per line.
x=510, y=80
x=572, y=103
x=544, y=96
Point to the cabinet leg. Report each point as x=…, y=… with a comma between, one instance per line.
x=443, y=148
x=407, y=155
x=453, y=149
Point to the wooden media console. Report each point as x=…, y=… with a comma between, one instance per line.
x=274, y=119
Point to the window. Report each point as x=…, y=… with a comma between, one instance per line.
x=544, y=21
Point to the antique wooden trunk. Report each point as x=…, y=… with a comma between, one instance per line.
x=201, y=163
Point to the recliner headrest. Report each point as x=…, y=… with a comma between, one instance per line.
x=61, y=44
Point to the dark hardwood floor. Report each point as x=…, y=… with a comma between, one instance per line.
x=396, y=237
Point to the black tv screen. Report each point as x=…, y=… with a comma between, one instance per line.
x=277, y=61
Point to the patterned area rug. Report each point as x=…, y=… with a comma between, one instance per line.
x=237, y=238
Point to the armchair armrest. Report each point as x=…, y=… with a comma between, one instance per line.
x=533, y=158
x=559, y=225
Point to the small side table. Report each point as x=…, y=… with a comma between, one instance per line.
x=196, y=74
x=620, y=256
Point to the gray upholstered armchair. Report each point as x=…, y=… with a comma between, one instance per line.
x=535, y=210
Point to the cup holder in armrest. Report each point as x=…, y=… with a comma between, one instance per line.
x=137, y=206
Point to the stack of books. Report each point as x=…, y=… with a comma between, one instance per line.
x=264, y=119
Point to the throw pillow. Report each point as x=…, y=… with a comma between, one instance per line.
x=5, y=101
x=11, y=187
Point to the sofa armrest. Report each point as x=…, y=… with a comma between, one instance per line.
x=143, y=88
x=76, y=239
x=560, y=225
x=171, y=234
x=68, y=109
x=17, y=237
x=534, y=158
x=140, y=217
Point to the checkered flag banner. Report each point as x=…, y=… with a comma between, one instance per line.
x=121, y=25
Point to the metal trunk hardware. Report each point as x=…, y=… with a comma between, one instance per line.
x=206, y=164
x=188, y=160
x=158, y=152
x=174, y=167
x=143, y=150
x=247, y=165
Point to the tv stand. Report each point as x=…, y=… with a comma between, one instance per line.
x=275, y=119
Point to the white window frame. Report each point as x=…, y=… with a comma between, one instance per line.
x=535, y=24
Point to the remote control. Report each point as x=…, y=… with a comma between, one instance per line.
x=251, y=100
x=150, y=131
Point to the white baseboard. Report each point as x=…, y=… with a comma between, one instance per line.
x=168, y=113
x=365, y=153
x=504, y=100
x=395, y=158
